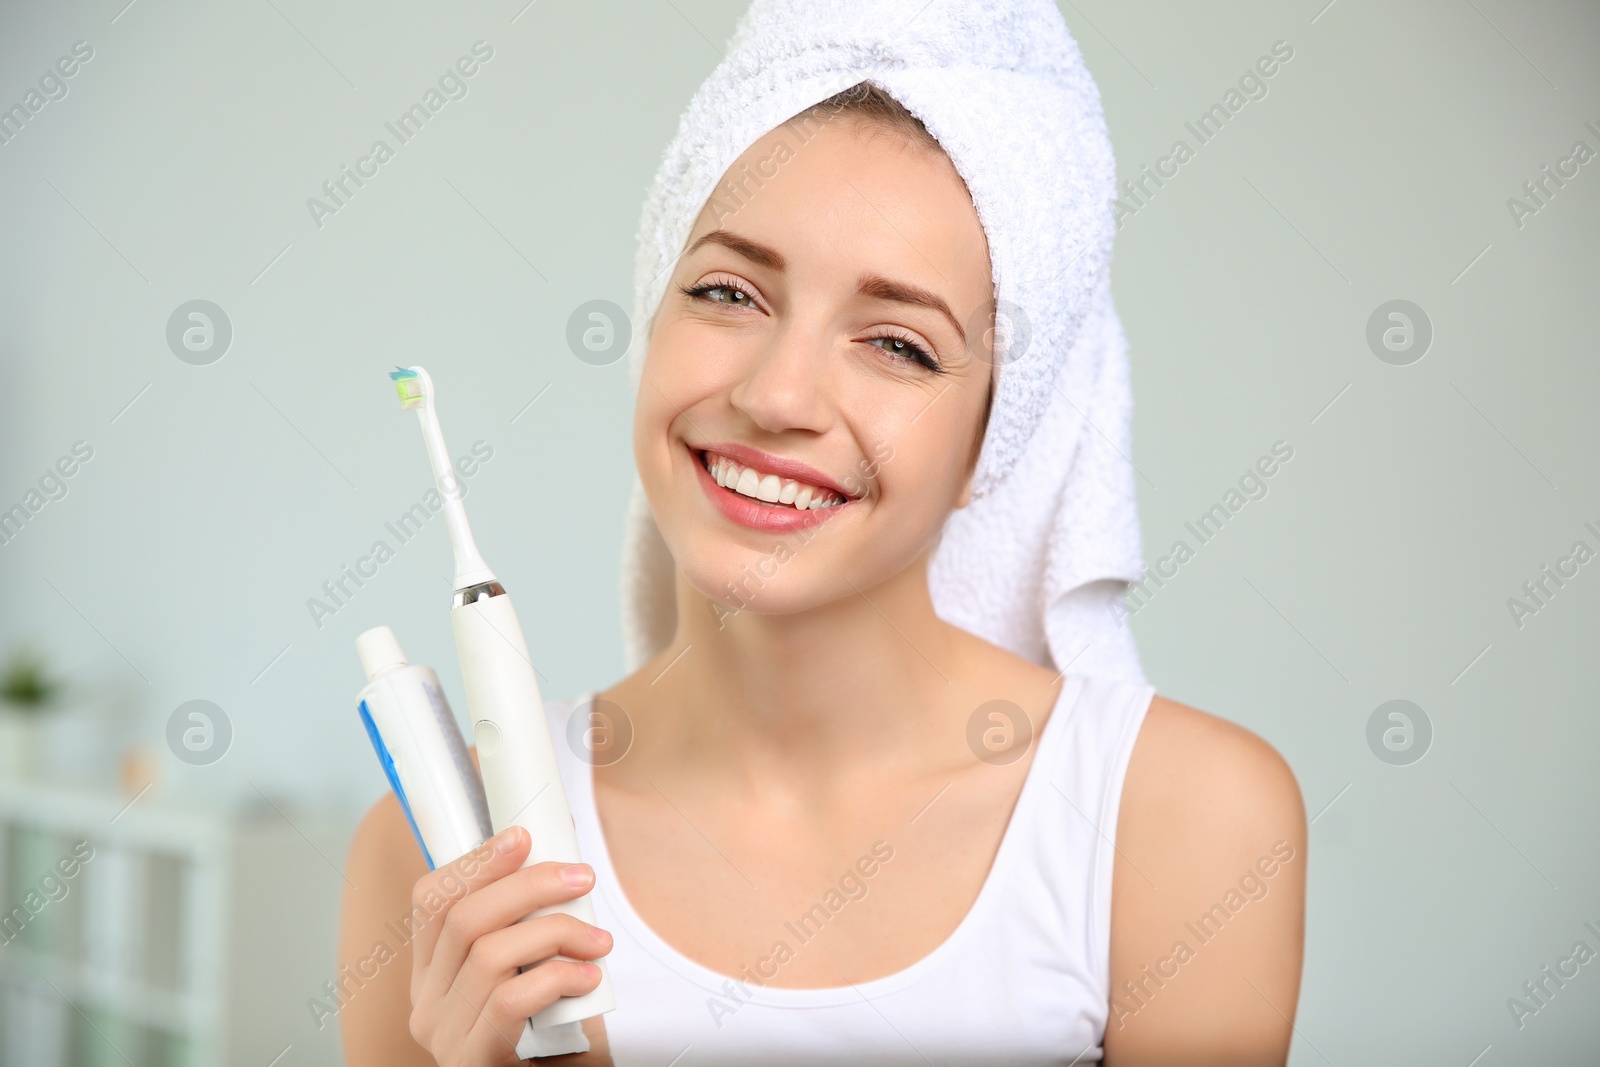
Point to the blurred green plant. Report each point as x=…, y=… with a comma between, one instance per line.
x=25, y=683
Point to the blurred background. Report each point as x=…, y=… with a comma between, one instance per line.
x=1381, y=259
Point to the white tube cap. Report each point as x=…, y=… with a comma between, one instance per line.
x=379, y=650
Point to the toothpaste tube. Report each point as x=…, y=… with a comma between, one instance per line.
x=421, y=750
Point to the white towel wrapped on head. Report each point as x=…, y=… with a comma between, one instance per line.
x=1051, y=537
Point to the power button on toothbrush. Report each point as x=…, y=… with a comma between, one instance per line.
x=487, y=734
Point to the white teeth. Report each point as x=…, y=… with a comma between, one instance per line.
x=770, y=488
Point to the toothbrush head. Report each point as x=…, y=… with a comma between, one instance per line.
x=411, y=387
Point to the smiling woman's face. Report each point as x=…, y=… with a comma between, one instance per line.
x=831, y=333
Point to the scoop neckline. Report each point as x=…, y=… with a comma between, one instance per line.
x=609, y=887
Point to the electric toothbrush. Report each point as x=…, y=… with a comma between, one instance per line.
x=516, y=754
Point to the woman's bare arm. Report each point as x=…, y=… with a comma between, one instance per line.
x=1208, y=898
x=382, y=866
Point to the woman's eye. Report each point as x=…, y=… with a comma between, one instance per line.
x=900, y=348
x=907, y=350
x=730, y=295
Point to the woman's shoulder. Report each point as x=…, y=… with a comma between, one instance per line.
x=1202, y=786
x=1187, y=756
x=1211, y=834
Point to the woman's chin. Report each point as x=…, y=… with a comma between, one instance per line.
x=745, y=589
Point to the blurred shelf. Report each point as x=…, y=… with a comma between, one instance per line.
x=152, y=933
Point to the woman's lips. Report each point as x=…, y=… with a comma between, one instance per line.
x=757, y=514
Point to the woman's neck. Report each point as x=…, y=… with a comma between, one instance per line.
x=818, y=697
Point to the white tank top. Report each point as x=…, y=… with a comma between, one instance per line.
x=1024, y=978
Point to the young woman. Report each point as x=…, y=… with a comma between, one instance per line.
x=843, y=828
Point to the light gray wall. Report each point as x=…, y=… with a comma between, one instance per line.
x=1378, y=566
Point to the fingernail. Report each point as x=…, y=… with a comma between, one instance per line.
x=599, y=934
x=507, y=839
x=576, y=874
x=589, y=970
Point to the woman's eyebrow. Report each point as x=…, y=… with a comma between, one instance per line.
x=881, y=288
x=870, y=285
x=759, y=254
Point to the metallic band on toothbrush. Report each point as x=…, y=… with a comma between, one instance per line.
x=474, y=593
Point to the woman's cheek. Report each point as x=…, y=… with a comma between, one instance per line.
x=922, y=494
x=647, y=428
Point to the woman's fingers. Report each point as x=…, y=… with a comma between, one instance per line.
x=436, y=893
x=495, y=956
x=501, y=904
x=468, y=998
x=499, y=1022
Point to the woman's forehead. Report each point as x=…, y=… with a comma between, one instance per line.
x=866, y=202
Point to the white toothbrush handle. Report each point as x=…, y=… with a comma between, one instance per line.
x=516, y=756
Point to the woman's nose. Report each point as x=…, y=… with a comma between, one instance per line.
x=784, y=385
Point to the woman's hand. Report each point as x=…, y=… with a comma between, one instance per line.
x=468, y=1001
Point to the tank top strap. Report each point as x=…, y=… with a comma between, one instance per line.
x=1077, y=823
